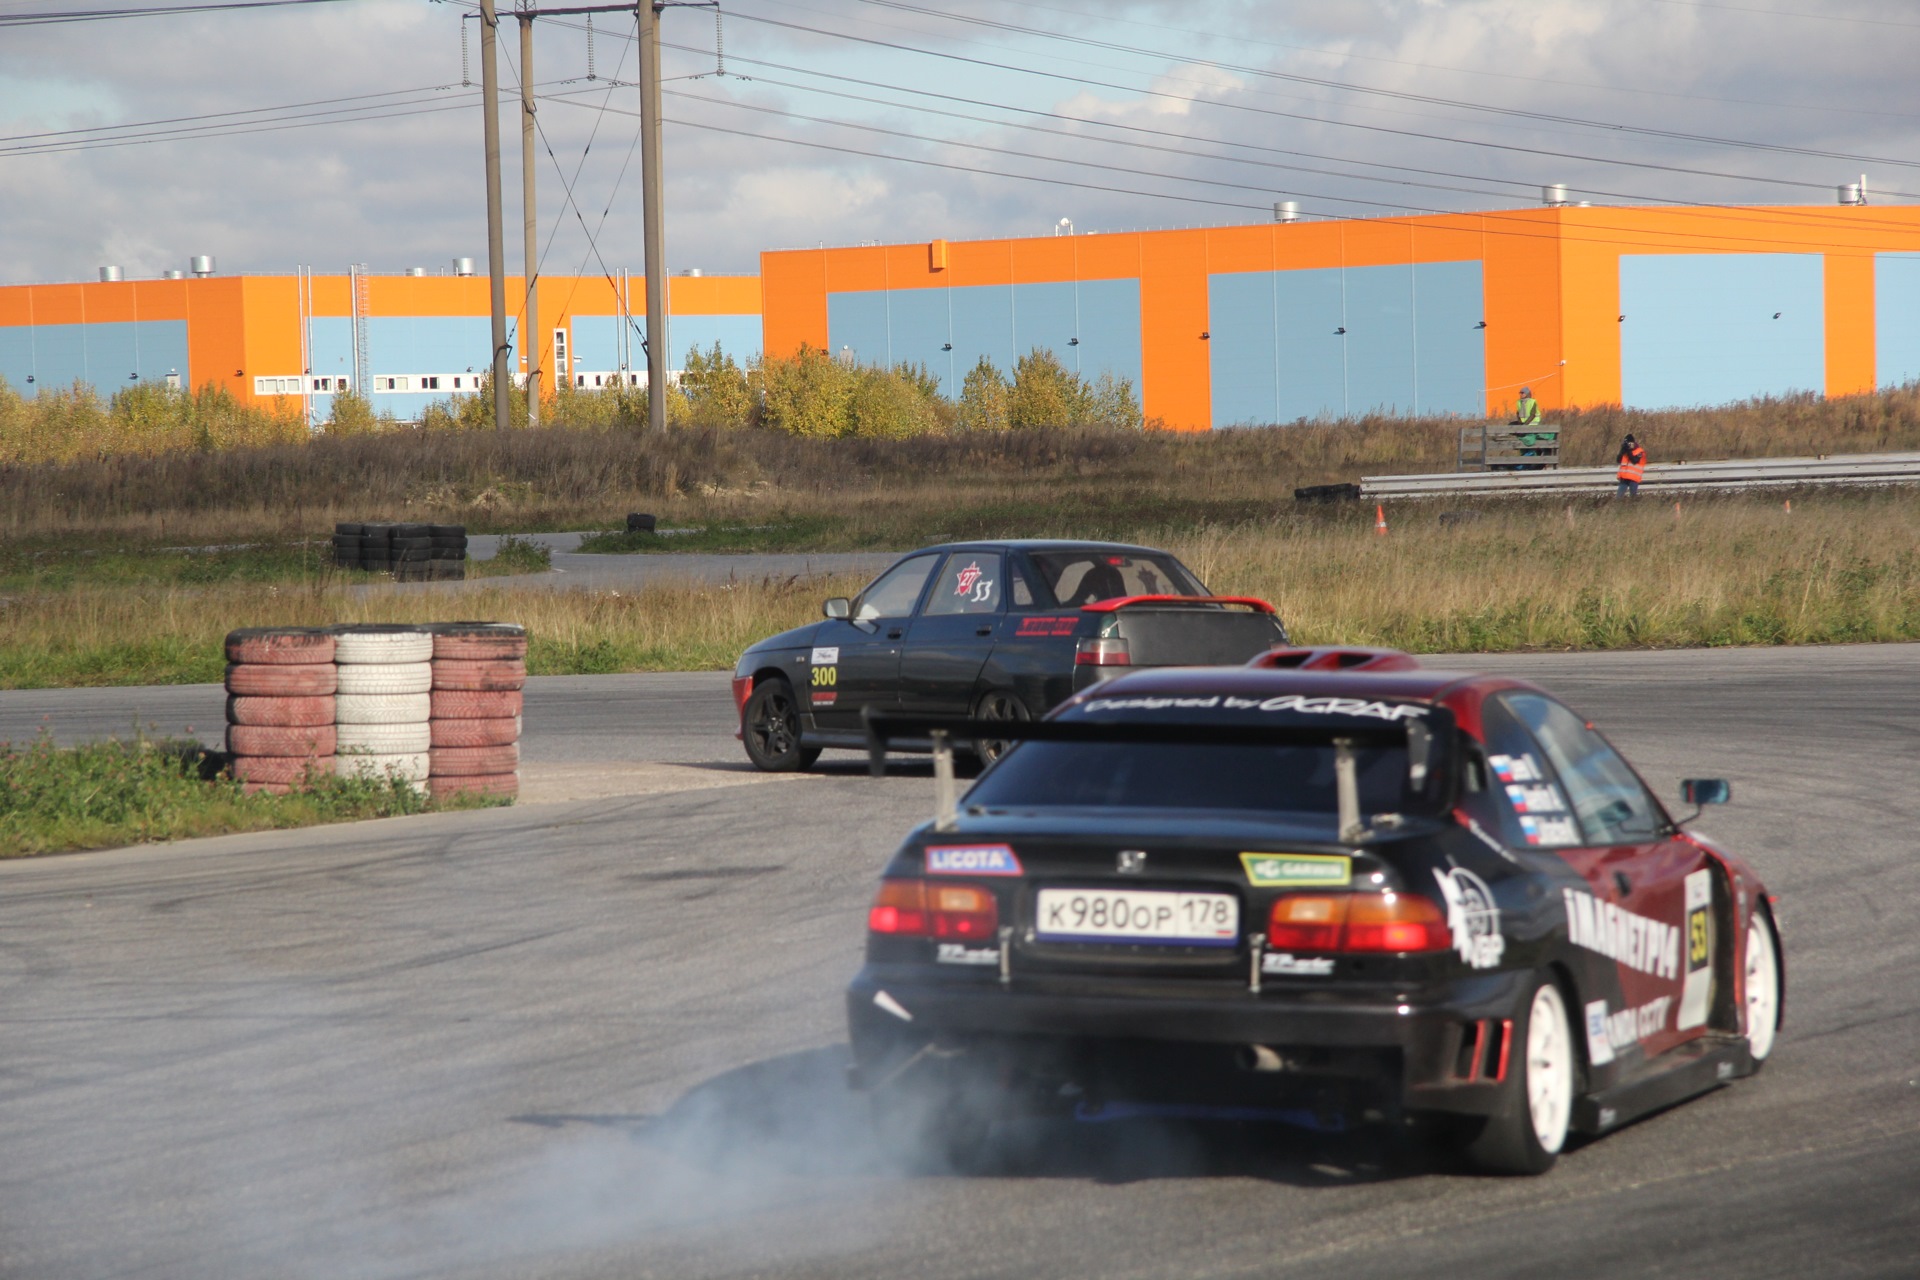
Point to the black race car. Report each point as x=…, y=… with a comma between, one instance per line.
x=995, y=630
x=1330, y=888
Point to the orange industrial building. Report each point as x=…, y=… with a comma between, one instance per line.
x=1279, y=322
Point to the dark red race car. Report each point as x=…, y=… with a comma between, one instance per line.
x=1331, y=888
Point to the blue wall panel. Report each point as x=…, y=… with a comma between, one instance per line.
x=738, y=336
x=857, y=326
x=917, y=329
x=1310, y=356
x=59, y=356
x=1045, y=316
x=1379, y=340
x=113, y=355
x=330, y=346
x=163, y=350
x=1702, y=329
x=1110, y=330
x=16, y=357
x=595, y=346
x=108, y=355
x=982, y=327
x=1244, y=348
x=1896, y=318
x=1450, y=364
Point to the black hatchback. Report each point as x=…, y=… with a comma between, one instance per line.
x=993, y=630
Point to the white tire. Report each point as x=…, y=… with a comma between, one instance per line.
x=382, y=646
x=383, y=708
x=1762, y=988
x=383, y=739
x=409, y=766
x=386, y=677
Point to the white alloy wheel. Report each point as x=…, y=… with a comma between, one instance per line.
x=1763, y=988
x=1549, y=1068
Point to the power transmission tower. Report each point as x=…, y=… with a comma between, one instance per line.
x=532, y=342
x=496, y=238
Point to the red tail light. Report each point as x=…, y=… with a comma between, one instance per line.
x=918, y=909
x=1346, y=922
x=1103, y=652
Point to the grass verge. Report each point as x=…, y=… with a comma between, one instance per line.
x=114, y=793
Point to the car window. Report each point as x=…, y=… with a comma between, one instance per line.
x=1613, y=806
x=1512, y=789
x=1022, y=589
x=971, y=582
x=896, y=591
x=1082, y=577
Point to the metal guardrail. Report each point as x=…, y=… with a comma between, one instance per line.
x=1745, y=473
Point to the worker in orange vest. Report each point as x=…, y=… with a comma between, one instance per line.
x=1633, y=468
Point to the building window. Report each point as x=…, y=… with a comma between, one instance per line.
x=276, y=386
x=560, y=352
x=429, y=384
x=456, y=383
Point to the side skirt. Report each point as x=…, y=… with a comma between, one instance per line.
x=1679, y=1074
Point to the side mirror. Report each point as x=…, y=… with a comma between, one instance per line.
x=1700, y=792
x=840, y=607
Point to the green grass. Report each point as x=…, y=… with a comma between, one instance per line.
x=511, y=555
x=114, y=793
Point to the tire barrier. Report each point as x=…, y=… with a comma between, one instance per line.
x=410, y=552
x=437, y=706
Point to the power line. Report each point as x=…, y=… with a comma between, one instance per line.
x=58, y=17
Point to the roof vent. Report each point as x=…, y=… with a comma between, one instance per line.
x=1554, y=195
x=109, y=274
x=416, y=271
x=1854, y=192
x=173, y=273
x=1286, y=211
x=201, y=264
x=463, y=266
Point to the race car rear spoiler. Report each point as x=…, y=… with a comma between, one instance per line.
x=1126, y=602
x=1427, y=734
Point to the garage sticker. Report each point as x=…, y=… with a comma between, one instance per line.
x=1608, y=1031
x=972, y=860
x=1282, y=870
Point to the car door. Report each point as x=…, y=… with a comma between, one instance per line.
x=949, y=640
x=1649, y=906
x=855, y=661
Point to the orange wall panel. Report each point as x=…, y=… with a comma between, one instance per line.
x=707, y=296
x=1240, y=249
x=1590, y=311
x=1106, y=257
x=793, y=290
x=979, y=262
x=1449, y=239
x=109, y=302
x=1522, y=295
x=161, y=299
x=1850, y=324
x=1385, y=243
x=59, y=304
x=272, y=327
x=216, y=335
x=16, y=304
x=1306, y=246
x=332, y=296
x=1042, y=261
x=1175, y=382
x=855, y=270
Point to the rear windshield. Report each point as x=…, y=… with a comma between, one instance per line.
x=1082, y=577
x=1280, y=779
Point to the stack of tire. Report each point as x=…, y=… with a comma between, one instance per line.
x=280, y=706
x=449, y=551
x=410, y=552
x=346, y=544
x=384, y=701
x=479, y=672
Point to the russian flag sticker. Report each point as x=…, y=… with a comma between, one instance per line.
x=972, y=860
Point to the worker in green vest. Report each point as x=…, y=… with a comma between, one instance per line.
x=1530, y=441
x=1529, y=413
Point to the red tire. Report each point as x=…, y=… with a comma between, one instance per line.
x=498, y=784
x=279, y=646
x=285, y=769
x=469, y=704
x=280, y=740
x=467, y=762
x=501, y=732
x=313, y=710
x=264, y=679
x=479, y=675
x=271, y=788
x=479, y=641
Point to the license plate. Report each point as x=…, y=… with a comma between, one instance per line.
x=1138, y=915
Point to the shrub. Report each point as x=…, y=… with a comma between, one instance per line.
x=1045, y=393
x=716, y=390
x=807, y=394
x=984, y=399
x=353, y=415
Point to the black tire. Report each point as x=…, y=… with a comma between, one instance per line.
x=346, y=529
x=997, y=704
x=770, y=728
x=448, y=531
x=1529, y=1126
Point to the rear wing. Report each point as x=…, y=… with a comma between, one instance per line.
x=1126, y=602
x=1426, y=732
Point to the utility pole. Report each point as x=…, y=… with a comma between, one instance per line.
x=532, y=341
x=654, y=220
x=496, y=245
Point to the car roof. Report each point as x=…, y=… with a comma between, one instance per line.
x=1040, y=544
x=1418, y=684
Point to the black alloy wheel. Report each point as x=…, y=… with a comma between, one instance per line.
x=997, y=704
x=770, y=727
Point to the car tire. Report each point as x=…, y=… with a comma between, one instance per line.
x=1762, y=987
x=770, y=728
x=1529, y=1126
x=997, y=704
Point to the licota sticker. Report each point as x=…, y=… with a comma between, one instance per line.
x=1472, y=916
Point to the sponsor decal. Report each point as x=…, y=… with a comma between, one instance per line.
x=1282, y=870
x=1540, y=797
x=825, y=655
x=961, y=953
x=1520, y=768
x=972, y=860
x=1549, y=831
x=1293, y=702
x=1292, y=966
x=1030, y=627
x=969, y=583
x=1696, y=993
x=1472, y=916
x=1608, y=1031
x=825, y=697
x=1649, y=946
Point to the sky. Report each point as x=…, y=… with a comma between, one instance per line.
x=326, y=134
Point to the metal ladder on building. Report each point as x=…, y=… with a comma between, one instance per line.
x=362, y=308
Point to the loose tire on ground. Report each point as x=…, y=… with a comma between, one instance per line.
x=476, y=733
x=473, y=704
x=386, y=677
x=281, y=711
x=382, y=708
x=382, y=644
x=299, y=741
x=383, y=739
x=497, y=784
x=403, y=766
x=479, y=676
x=261, y=679
x=453, y=762
x=281, y=769
x=770, y=728
x=1529, y=1126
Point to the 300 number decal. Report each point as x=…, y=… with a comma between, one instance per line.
x=826, y=677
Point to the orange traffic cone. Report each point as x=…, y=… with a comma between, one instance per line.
x=1789, y=506
x=1380, y=519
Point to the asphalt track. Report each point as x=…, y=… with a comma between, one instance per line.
x=603, y=1037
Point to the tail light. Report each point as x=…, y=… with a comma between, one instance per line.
x=1103, y=651
x=1376, y=922
x=918, y=909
